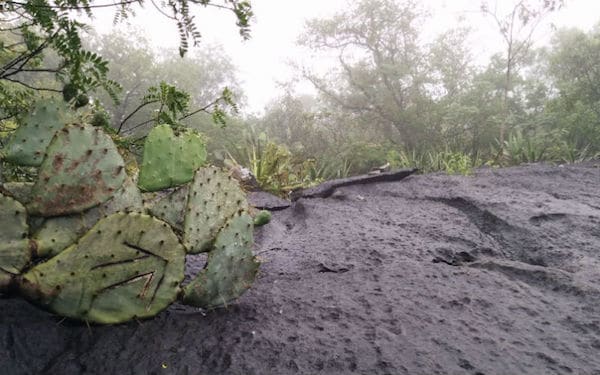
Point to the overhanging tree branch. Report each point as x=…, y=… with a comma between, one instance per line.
x=134, y=112
x=32, y=87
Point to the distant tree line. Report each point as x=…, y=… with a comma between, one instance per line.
x=394, y=97
x=391, y=96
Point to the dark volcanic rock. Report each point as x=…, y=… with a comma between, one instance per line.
x=266, y=201
x=328, y=188
x=497, y=273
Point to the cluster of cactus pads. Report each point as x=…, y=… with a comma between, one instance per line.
x=86, y=241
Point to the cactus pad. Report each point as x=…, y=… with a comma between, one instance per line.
x=213, y=198
x=15, y=247
x=263, y=217
x=20, y=191
x=169, y=159
x=27, y=145
x=127, y=198
x=230, y=269
x=57, y=233
x=127, y=266
x=171, y=208
x=82, y=169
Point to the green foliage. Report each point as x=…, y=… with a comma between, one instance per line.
x=275, y=168
x=48, y=25
x=430, y=107
x=187, y=27
x=518, y=149
x=128, y=265
x=451, y=162
x=571, y=153
x=329, y=169
x=47, y=38
x=403, y=159
x=573, y=66
x=173, y=103
x=553, y=147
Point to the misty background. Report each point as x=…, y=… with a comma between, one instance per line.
x=323, y=90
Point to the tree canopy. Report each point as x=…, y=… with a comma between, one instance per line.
x=33, y=30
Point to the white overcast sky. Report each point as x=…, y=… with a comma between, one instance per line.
x=263, y=61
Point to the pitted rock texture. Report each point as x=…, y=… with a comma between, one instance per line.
x=496, y=273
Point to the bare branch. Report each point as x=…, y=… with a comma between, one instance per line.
x=32, y=87
x=77, y=7
x=133, y=113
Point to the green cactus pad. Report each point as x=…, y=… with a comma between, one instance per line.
x=15, y=247
x=127, y=266
x=169, y=159
x=57, y=233
x=263, y=217
x=230, y=269
x=213, y=198
x=82, y=169
x=20, y=191
x=171, y=208
x=27, y=145
x=128, y=198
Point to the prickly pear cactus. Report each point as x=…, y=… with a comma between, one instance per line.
x=127, y=266
x=213, y=198
x=82, y=169
x=28, y=143
x=263, y=217
x=109, y=262
x=15, y=248
x=57, y=233
x=128, y=198
x=171, y=207
x=170, y=159
x=230, y=269
x=20, y=191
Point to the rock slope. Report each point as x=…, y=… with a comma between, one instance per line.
x=496, y=273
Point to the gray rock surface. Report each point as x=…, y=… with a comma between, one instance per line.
x=328, y=188
x=267, y=201
x=497, y=273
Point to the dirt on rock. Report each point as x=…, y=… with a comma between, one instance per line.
x=495, y=273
